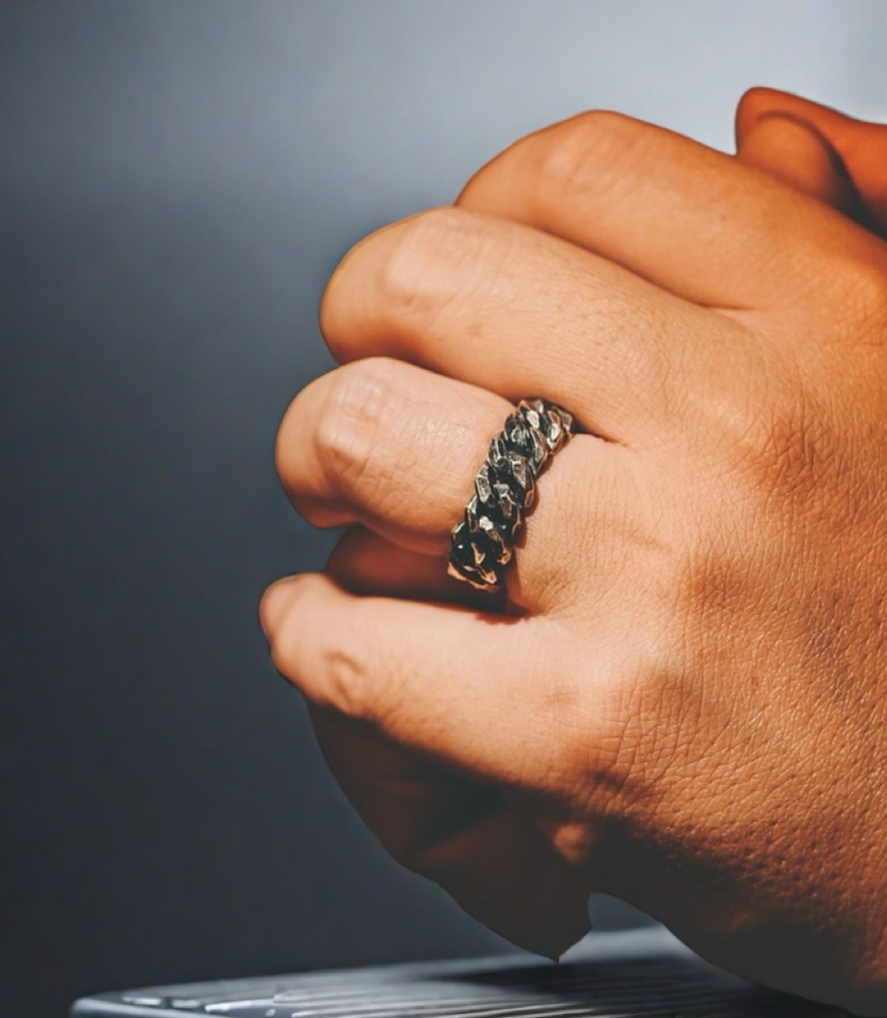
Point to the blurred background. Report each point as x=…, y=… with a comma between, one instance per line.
x=177, y=180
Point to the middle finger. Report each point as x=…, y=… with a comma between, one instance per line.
x=519, y=312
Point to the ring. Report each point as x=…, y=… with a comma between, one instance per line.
x=482, y=543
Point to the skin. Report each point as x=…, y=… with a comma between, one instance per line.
x=680, y=698
x=817, y=150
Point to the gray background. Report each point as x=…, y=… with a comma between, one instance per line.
x=177, y=180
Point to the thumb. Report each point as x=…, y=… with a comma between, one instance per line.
x=815, y=149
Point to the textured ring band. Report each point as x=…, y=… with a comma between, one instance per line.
x=482, y=543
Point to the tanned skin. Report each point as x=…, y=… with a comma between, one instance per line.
x=681, y=696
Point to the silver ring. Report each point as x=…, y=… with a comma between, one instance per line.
x=482, y=543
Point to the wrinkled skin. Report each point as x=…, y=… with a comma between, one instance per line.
x=681, y=696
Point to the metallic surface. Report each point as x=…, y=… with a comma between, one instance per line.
x=615, y=975
x=482, y=543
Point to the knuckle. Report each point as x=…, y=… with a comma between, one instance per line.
x=568, y=156
x=345, y=670
x=342, y=452
x=360, y=390
x=416, y=279
x=345, y=433
x=332, y=668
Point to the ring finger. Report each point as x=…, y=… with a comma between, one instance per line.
x=396, y=448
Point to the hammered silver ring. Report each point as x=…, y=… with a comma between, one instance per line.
x=482, y=543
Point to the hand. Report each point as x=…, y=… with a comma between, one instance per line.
x=681, y=699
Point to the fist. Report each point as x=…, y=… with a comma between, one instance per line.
x=680, y=696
